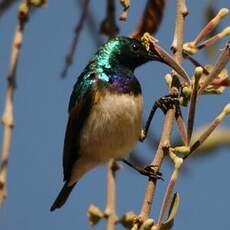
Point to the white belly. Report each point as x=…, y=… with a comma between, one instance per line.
x=113, y=128
x=111, y=131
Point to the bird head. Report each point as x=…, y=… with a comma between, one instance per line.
x=131, y=53
x=124, y=51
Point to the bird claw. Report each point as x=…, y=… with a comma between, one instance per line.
x=150, y=172
x=165, y=103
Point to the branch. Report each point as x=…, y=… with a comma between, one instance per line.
x=110, y=211
x=159, y=156
x=177, y=44
x=192, y=106
x=203, y=137
x=219, y=138
x=177, y=165
x=7, y=117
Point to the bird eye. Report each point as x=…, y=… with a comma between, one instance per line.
x=135, y=47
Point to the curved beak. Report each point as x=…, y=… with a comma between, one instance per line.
x=158, y=54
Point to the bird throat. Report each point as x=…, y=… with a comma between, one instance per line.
x=118, y=78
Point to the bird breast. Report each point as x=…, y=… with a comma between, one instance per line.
x=113, y=127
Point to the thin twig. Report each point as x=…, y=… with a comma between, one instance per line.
x=7, y=117
x=110, y=211
x=73, y=45
x=169, y=190
x=191, y=117
x=211, y=25
x=214, y=39
x=181, y=127
x=193, y=103
x=178, y=38
x=219, y=138
x=177, y=44
x=221, y=62
x=209, y=130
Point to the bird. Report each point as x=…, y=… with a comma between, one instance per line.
x=105, y=110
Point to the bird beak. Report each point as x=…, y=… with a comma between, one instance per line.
x=158, y=54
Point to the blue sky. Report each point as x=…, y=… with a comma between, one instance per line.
x=41, y=100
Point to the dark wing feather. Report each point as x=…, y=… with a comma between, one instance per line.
x=81, y=102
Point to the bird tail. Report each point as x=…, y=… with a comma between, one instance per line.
x=62, y=196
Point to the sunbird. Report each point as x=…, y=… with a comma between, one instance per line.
x=105, y=109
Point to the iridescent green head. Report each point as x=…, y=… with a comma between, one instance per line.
x=130, y=53
x=126, y=52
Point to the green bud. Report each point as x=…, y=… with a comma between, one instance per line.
x=187, y=91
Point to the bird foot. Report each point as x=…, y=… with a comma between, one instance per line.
x=148, y=171
x=151, y=172
x=167, y=102
x=164, y=103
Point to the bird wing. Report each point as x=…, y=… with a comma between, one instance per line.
x=81, y=101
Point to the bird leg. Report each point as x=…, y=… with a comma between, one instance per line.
x=148, y=171
x=164, y=103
